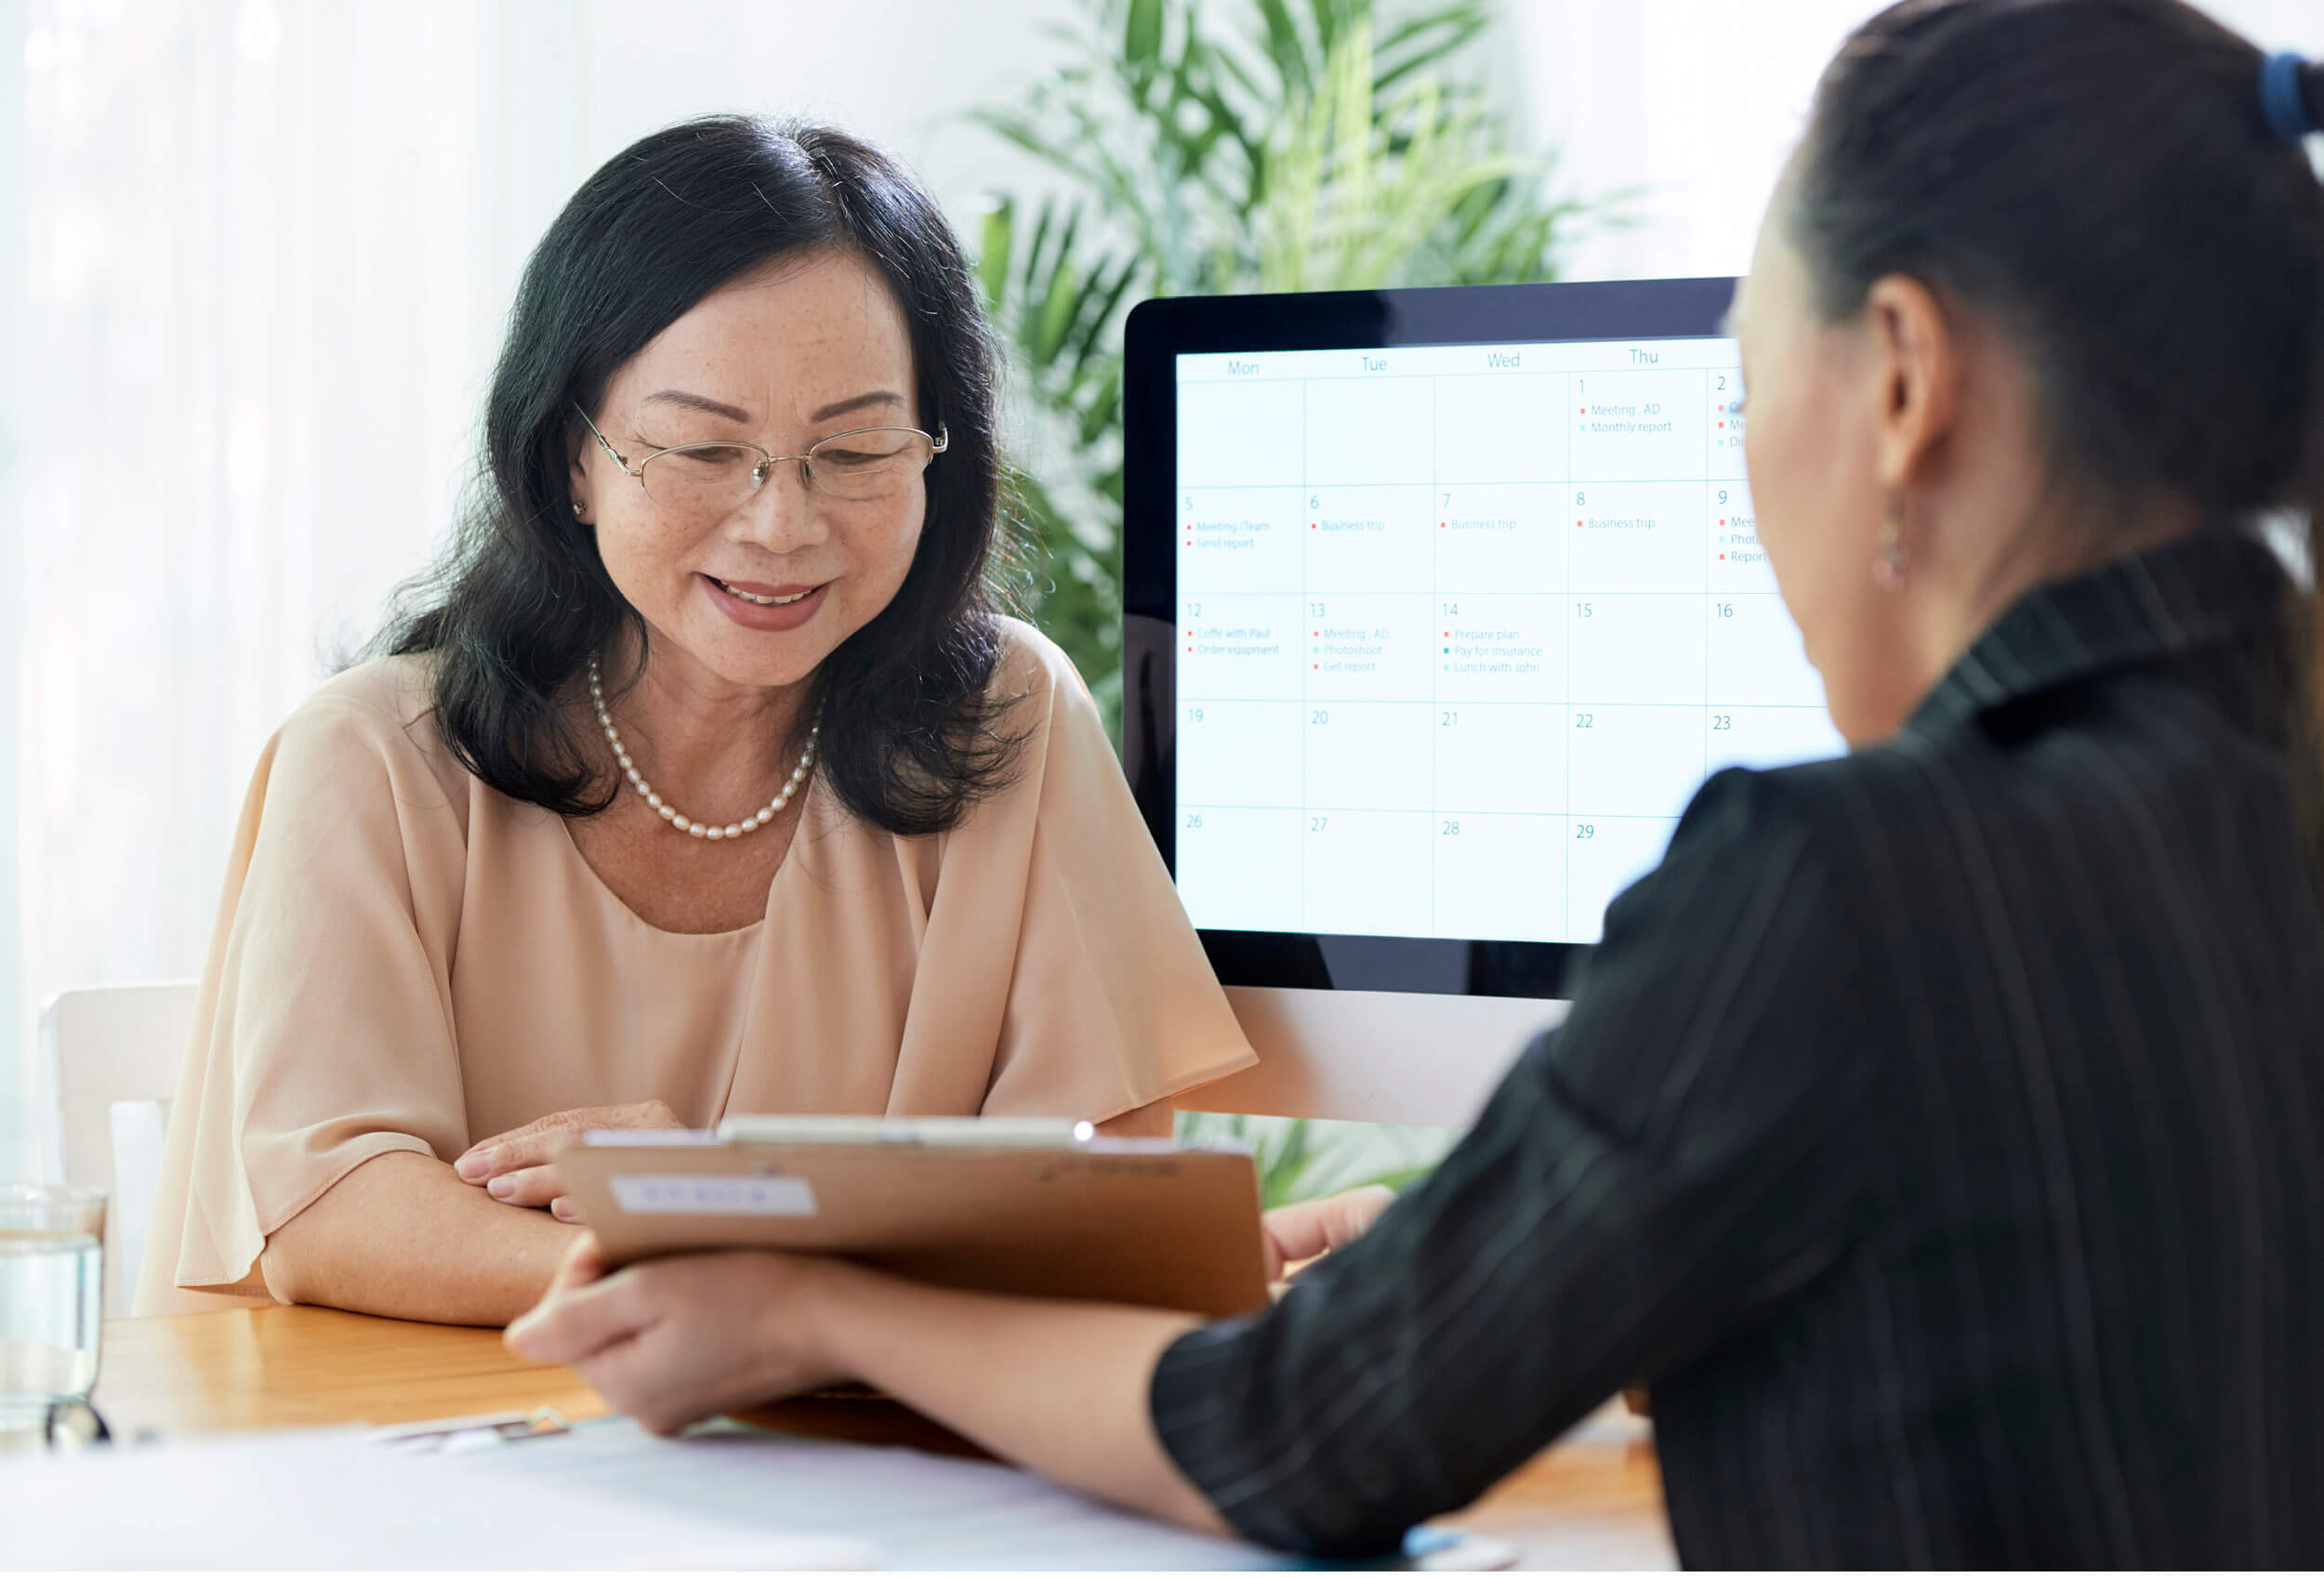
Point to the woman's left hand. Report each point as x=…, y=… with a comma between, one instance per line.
x=515, y=1167
x=1293, y=1235
x=672, y=1341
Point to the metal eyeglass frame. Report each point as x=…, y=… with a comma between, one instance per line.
x=938, y=440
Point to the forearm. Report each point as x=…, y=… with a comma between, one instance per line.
x=1059, y=1387
x=401, y=1235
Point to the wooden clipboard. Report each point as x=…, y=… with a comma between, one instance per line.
x=1140, y=1222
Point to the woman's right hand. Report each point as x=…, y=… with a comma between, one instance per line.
x=1296, y=1234
x=515, y=1168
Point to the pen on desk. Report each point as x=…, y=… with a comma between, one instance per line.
x=453, y=1435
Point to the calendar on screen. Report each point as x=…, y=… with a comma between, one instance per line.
x=1460, y=630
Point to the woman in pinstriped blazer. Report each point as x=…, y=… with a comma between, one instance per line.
x=1940, y=1131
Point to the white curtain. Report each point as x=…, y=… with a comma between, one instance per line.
x=266, y=252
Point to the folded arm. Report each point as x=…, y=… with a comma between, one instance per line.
x=403, y=1236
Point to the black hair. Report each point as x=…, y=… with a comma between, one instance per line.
x=2099, y=177
x=911, y=736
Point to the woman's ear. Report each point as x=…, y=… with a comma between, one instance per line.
x=577, y=477
x=1914, y=375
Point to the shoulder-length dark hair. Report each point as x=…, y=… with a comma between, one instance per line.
x=515, y=608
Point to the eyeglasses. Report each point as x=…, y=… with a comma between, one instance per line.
x=717, y=478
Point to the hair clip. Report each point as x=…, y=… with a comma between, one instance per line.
x=2282, y=104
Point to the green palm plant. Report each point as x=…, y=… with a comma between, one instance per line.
x=1210, y=149
x=1358, y=180
x=1229, y=146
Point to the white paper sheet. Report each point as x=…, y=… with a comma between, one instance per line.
x=331, y=1499
x=607, y=1495
x=924, y=1511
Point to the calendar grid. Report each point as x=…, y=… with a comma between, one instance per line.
x=1509, y=640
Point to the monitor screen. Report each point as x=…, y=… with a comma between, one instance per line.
x=1465, y=628
x=1460, y=627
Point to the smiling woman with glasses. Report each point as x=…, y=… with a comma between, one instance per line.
x=704, y=776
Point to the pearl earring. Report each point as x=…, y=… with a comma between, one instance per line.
x=576, y=513
x=1889, y=568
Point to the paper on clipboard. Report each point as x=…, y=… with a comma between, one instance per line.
x=676, y=1194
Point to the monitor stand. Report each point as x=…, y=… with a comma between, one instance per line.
x=1376, y=1057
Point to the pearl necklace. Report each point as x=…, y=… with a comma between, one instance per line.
x=751, y=823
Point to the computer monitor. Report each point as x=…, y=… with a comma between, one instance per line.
x=1439, y=605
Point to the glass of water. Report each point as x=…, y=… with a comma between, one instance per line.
x=52, y=1306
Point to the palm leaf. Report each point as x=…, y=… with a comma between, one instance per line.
x=1226, y=145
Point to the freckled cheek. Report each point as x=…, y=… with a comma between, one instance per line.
x=639, y=554
x=879, y=555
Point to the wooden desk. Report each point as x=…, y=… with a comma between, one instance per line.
x=1581, y=1504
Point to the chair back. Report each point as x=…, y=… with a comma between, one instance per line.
x=111, y=1057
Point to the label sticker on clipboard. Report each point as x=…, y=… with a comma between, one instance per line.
x=664, y=1194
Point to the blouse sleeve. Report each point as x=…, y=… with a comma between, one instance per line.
x=1111, y=1003
x=322, y=1033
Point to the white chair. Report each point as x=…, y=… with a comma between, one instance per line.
x=110, y=1057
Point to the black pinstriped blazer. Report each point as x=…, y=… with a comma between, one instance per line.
x=1940, y=1132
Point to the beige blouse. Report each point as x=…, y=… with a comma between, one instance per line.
x=408, y=960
